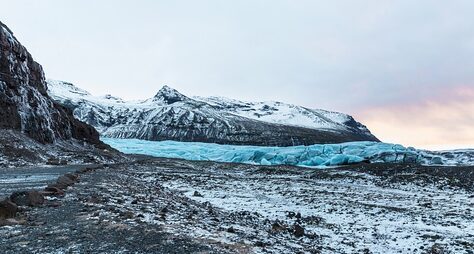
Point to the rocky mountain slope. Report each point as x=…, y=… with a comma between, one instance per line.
x=26, y=110
x=170, y=115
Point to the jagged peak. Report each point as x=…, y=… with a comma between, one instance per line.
x=169, y=95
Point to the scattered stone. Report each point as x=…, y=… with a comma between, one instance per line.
x=197, y=194
x=231, y=230
x=436, y=249
x=94, y=200
x=27, y=198
x=53, y=191
x=8, y=209
x=56, y=162
x=427, y=205
x=128, y=215
x=298, y=215
x=298, y=230
x=63, y=182
x=277, y=227
x=291, y=215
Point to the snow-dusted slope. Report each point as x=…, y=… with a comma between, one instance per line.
x=287, y=114
x=170, y=115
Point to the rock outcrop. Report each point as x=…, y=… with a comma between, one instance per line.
x=25, y=105
x=27, y=198
x=8, y=209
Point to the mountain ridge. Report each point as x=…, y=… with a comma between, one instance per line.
x=170, y=115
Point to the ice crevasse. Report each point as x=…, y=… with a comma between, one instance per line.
x=311, y=156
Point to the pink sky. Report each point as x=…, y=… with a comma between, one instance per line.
x=444, y=121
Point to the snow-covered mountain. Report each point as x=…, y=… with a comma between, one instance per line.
x=170, y=115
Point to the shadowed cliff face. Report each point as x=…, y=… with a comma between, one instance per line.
x=24, y=103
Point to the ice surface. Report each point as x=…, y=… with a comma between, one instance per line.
x=310, y=156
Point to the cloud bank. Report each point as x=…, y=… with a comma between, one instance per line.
x=444, y=121
x=339, y=55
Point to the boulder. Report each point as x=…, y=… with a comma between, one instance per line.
x=8, y=209
x=53, y=191
x=197, y=194
x=278, y=227
x=64, y=181
x=298, y=230
x=27, y=198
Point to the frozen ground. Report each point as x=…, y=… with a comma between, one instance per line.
x=314, y=155
x=343, y=211
x=173, y=206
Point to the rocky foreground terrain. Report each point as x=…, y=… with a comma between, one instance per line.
x=174, y=206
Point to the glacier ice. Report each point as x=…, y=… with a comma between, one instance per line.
x=309, y=156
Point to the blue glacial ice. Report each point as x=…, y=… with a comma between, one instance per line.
x=310, y=156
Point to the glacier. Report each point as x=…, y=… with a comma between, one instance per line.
x=308, y=156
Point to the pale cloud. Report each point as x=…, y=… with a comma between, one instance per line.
x=444, y=121
x=341, y=55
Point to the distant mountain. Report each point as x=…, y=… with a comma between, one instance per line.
x=27, y=113
x=170, y=115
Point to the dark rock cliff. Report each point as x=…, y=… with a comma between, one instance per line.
x=24, y=103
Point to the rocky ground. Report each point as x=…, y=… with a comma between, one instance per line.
x=19, y=150
x=176, y=206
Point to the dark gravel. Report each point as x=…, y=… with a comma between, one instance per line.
x=158, y=205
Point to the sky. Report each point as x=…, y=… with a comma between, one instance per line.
x=404, y=68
